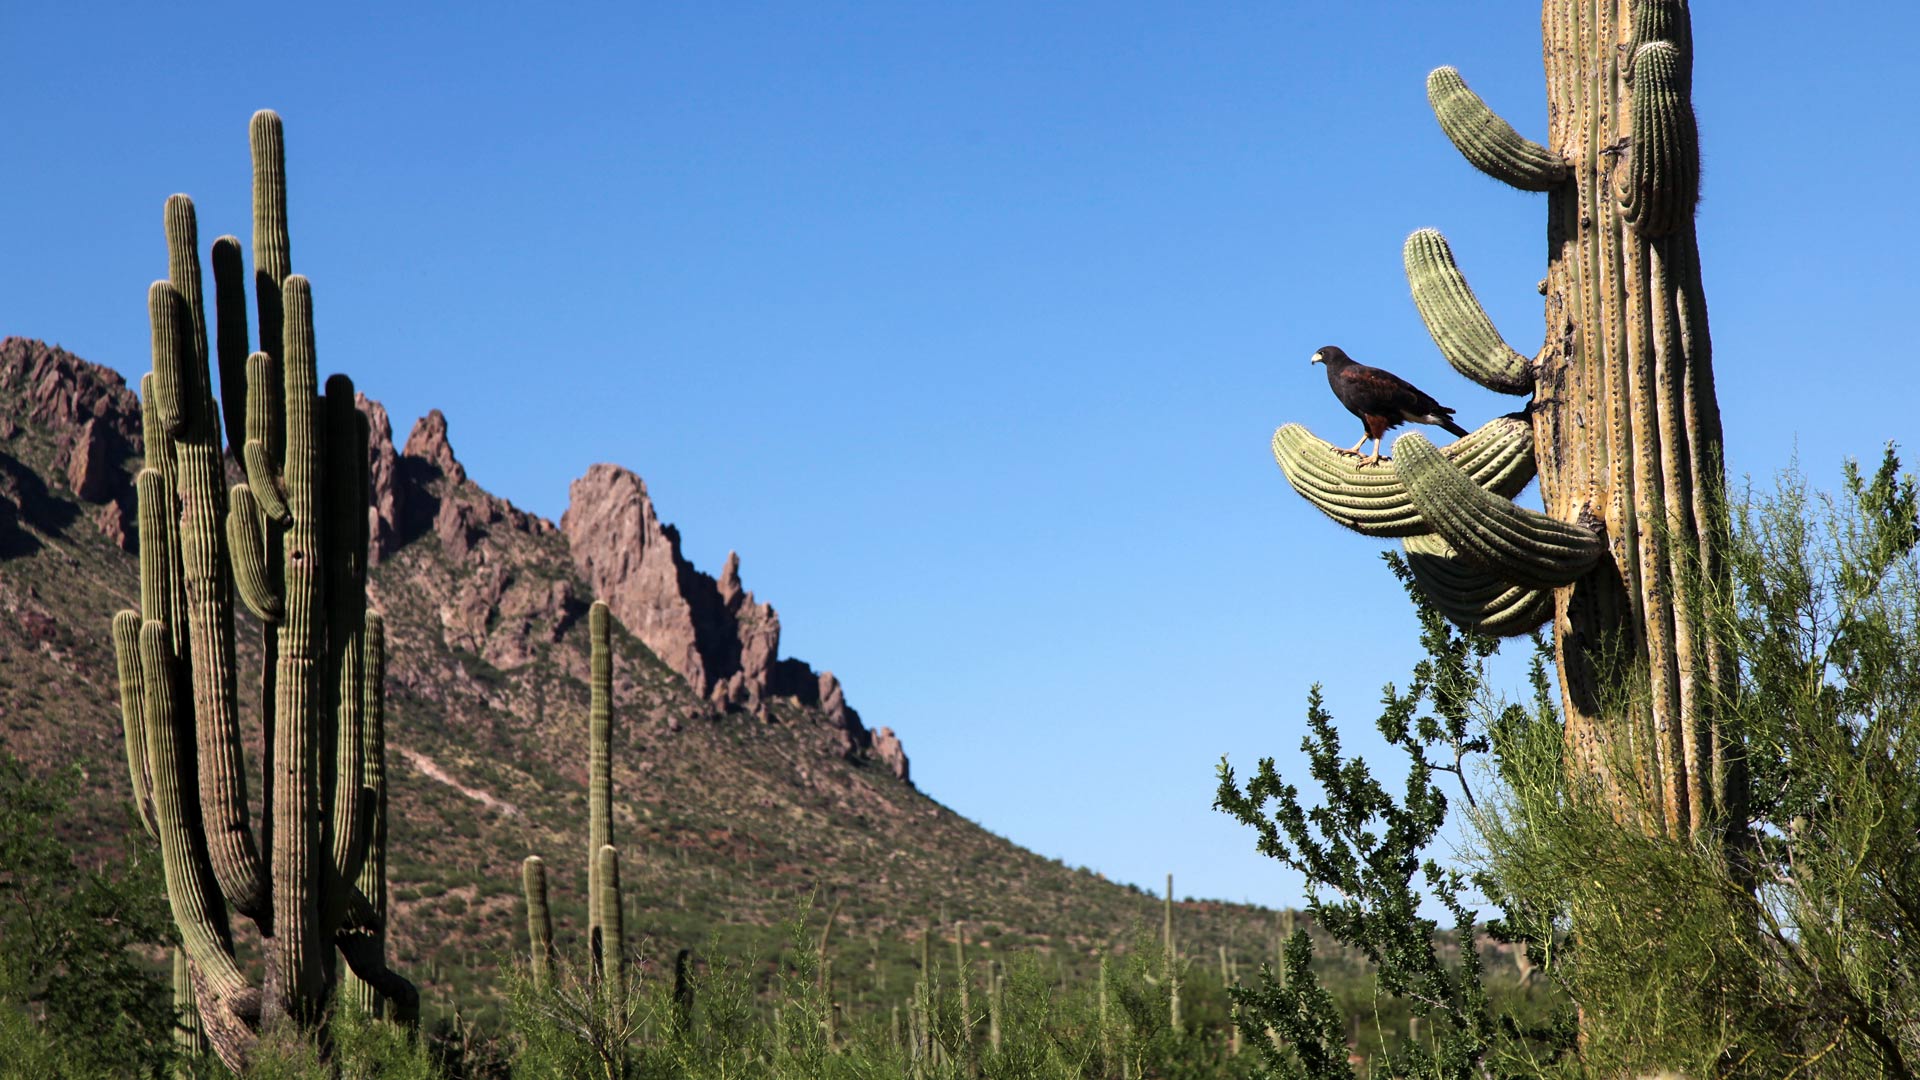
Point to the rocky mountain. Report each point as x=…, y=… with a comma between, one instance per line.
x=744, y=781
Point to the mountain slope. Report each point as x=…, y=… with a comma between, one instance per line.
x=743, y=781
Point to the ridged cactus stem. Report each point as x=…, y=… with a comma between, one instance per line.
x=1521, y=546
x=1630, y=436
x=1373, y=501
x=299, y=847
x=230, y=338
x=600, y=758
x=1170, y=961
x=179, y=348
x=1472, y=597
x=189, y=1036
x=612, y=935
x=1487, y=141
x=1663, y=176
x=533, y=880
x=226, y=1001
x=272, y=247
x=1455, y=319
x=346, y=599
x=372, y=878
x=133, y=720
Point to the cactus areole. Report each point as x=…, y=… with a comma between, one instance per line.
x=1625, y=430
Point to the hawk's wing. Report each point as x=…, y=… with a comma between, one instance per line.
x=1370, y=390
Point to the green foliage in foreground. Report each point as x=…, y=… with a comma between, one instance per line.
x=79, y=949
x=1798, y=955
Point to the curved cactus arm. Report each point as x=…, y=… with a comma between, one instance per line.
x=178, y=352
x=263, y=449
x=230, y=339
x=1459, y=325
x=533, y=880
x=133, y=704
x=613, y=950
x=1524, y=547
x=272, y=247
x=372, y=880
x=1664, y=20
x=227, y=1001
x=248, y=549
x=165, y=556
x=1663, y=170
x=344, y=501
x=1473, y=597
x=361, y=939
x=1373, y=501
x=183, y=271
x=1487, y=141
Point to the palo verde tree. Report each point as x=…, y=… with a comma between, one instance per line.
x=291, y=543
x=1622, y=429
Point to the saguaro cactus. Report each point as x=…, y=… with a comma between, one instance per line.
x=313, y=881
x=605, y=941
x=1625, y=428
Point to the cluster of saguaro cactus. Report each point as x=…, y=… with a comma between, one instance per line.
x=1623, y=428
x=292, y=543
x=606, y=941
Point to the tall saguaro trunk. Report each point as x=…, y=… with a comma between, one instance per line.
x=1623, y=430
x=1625, y=420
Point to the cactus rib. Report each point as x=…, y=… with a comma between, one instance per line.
x=1470, y=596
x=612, y=938
x=1455, y=319
x=600, y=757
x=1373, y=501
x=1663, y=170
x=1522, y=546
x=533, y=880
x=248, y=551
x=1487, y=141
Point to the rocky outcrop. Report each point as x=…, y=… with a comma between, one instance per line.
x=888, y=751
x=713, y=632
x=93, y=422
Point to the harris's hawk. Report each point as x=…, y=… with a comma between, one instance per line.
x=1380, y=399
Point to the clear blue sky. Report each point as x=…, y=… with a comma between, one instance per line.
x=966, y=325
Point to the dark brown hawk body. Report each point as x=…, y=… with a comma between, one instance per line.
x=1381, y=399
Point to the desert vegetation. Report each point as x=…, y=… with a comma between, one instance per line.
x=1686, y=846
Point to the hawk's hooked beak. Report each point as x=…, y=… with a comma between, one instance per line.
x=1317, y=358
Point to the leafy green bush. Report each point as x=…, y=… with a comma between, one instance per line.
x=80, y=950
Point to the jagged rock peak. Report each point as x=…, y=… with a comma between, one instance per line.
x=723, y=641
x=428, y=442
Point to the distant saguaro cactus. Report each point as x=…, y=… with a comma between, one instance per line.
x=1623, y=428
x=292, y=543
x=605, y=942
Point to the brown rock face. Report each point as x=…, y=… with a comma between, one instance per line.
x=384, y=465
x=714, y=633
x=90, y=465
x=63, y=391
x=888, y=751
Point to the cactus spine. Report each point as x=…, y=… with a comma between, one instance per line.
x=1626, y=429
x=311, y=892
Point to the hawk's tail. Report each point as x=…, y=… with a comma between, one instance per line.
x=1451, y=428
